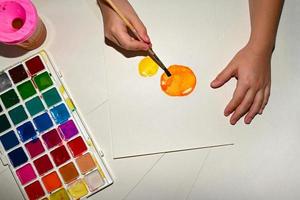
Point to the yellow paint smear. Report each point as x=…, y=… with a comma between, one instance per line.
x=147, y=67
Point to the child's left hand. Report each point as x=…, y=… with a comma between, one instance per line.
x=252, y=69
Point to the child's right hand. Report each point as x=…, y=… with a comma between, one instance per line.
x=116, y=31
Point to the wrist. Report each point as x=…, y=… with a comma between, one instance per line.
x=261, y=47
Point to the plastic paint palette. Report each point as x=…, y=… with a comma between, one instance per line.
x=43, y=139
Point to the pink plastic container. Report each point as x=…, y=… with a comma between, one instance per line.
x=20, y=25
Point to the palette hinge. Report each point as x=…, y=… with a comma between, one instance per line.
x=101, y=153
x=59, y=73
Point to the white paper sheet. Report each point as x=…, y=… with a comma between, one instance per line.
x=204, y=35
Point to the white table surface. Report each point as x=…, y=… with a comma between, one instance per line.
x=261, y=166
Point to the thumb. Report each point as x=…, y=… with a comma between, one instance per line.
x=223, y=77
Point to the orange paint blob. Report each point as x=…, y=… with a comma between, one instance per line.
x=181, y=83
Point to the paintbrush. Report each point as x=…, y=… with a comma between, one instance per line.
x=134, y=31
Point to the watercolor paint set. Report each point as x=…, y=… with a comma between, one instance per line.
x=44, y=141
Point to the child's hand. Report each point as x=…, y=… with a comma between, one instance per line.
x=253, y=73
x=116, y=31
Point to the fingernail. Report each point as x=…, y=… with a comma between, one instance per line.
x=248, y=121
x=232, y=122
x=147, y=39
x=212, y=84
x=215, y=82
x=226, y=111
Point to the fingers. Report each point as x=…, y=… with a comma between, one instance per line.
x=116, y=31
x=223, y=77
x=237, y=98
x=140, y=28
x=243, y=108
x=266, y=99
x=122, y=38
x=247, y=101
x=256, y=106
x=138, y=25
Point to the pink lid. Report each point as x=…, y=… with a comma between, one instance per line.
x=18, y=20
